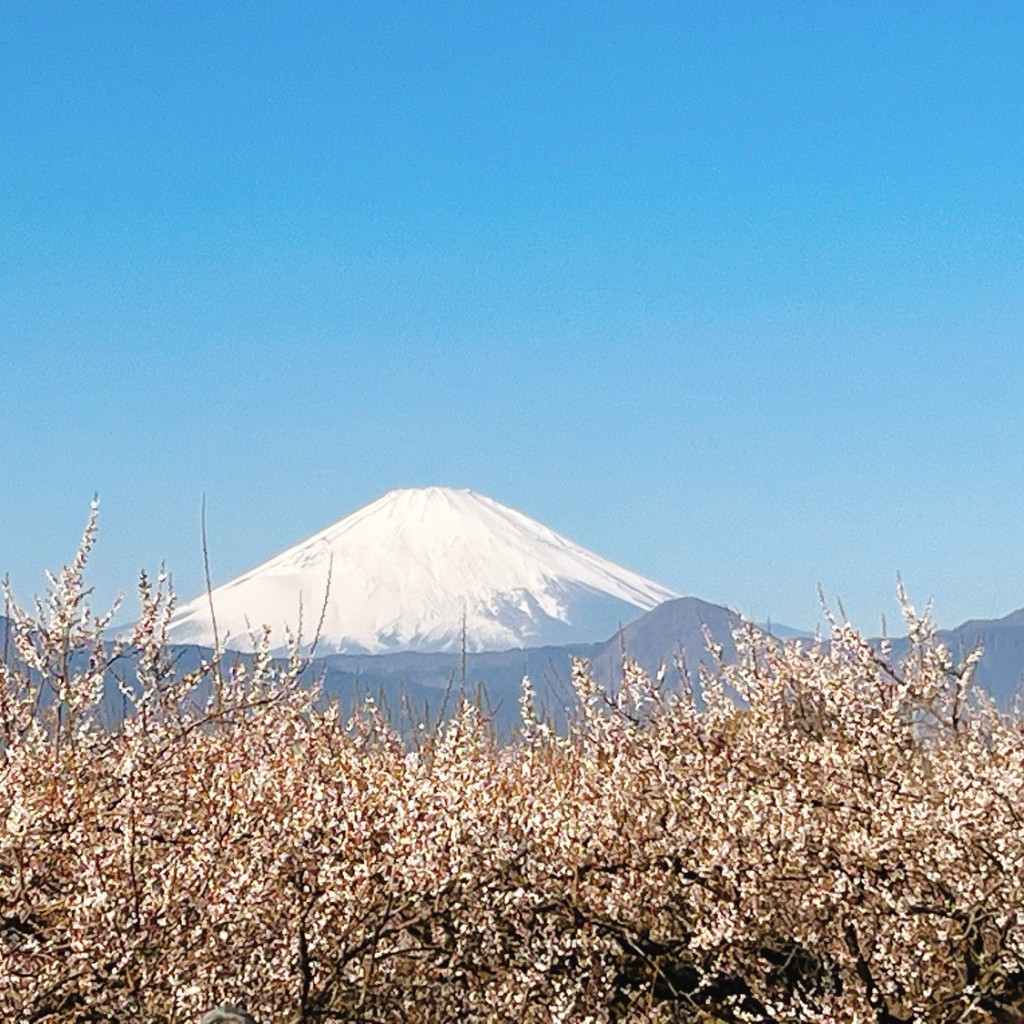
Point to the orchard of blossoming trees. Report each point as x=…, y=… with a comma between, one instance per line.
x=818, y=835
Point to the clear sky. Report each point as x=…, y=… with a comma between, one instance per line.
x=732, y=294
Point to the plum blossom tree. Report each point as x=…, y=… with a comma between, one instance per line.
x=817, y=834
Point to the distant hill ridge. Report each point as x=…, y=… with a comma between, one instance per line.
x=669, y=634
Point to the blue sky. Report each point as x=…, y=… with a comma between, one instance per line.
x=732, y=294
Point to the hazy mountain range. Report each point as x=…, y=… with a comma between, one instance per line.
x=414, y=684
x=420, y=685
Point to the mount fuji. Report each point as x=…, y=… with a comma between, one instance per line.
x=426, y=569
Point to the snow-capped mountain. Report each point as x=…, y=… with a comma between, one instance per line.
x=413, y=569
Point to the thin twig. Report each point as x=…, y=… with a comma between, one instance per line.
x=218, y=678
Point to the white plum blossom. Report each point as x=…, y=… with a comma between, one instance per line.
x=815, y=835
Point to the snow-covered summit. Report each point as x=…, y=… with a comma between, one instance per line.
x=410, y=569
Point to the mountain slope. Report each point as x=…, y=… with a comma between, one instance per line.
x=412, y=569
x=674, y=631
